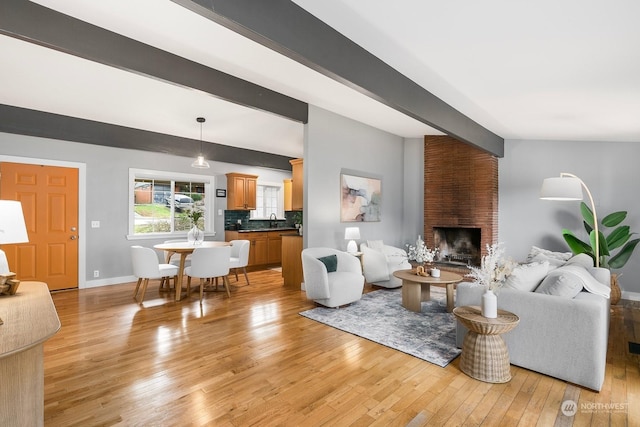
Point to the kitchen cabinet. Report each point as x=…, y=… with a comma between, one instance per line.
x=259, y=252
x=241, y=191
x=265, y=247
x=287, y=186
x=297, y=185
x=274, y=241
x=292, y=261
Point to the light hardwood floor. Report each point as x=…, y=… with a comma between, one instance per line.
x=252, y=360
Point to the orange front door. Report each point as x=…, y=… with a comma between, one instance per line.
x=49, y=196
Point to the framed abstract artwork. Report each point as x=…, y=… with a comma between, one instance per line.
x=360, y=198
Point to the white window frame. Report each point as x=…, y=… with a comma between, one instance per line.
x=280, y=213
x=209, y=197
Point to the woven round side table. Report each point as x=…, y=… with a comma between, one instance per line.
x=485, y=356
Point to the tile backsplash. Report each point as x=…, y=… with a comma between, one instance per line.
x=231, y=218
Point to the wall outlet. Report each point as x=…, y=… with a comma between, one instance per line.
x=96, y=273
x=95, y=224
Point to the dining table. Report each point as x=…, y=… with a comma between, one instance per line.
x=184, y=249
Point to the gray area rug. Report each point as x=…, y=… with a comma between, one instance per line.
x=380, y=317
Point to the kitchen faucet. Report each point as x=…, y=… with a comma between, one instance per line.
x=273, y=221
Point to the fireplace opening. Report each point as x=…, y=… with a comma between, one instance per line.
x=458, y=245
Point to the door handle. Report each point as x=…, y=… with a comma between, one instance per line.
x=74, y=237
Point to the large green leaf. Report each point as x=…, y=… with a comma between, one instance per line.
x=604, y=248
x=621, y=258
x=576, y=245
x=614, y=219
x=586, y=214
x=587, y=227
x=618, y=237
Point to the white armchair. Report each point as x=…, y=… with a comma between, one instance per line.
x=332, y=288
x=380, y=262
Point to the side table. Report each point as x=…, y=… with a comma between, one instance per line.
x=485, y=356
x=359, y=256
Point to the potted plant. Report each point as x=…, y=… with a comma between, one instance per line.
x=297, y=221
x=615, y=248
x=195, y=234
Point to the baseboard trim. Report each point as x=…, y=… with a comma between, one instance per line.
x=108, y=282
x=632, y=296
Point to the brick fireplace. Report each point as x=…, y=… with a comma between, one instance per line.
x=460, y=190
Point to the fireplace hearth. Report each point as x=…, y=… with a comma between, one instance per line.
x=458, y=245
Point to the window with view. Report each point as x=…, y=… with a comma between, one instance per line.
x=161, y=202
x=268, y=201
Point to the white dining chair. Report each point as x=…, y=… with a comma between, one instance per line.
x=240, y=257
x=209, y=263
x=147, y=266
x=174, y=259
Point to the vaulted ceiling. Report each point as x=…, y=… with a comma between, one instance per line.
x=515, y=70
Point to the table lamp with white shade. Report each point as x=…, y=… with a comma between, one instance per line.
x=352, y=234
x=12, y=230
x=569, y=187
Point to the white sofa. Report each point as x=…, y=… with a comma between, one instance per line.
x=379, y=261
x=327, y=287
x=561, y=336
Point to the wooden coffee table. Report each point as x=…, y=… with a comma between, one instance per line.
x=416, y=289
x=485, y=356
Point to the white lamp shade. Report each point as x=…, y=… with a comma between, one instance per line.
x=561, y=188
x=12, y=226
x=200, y=163
x=351, y=233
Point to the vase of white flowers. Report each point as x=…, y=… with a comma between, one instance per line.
x=195, y=236
x=491, y=274
x=420, y=253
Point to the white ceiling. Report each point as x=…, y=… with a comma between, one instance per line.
x=554, y=70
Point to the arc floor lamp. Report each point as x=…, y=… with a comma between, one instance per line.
x=569, y=187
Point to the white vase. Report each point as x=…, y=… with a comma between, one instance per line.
x=489, y=305
x=195, y=236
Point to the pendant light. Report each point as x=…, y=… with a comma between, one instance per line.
x=200, y=162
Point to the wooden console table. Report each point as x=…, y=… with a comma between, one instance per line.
x=30, y=319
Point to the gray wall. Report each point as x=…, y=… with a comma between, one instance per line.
x=608, y=169
x=107, y=174
x=334, y=144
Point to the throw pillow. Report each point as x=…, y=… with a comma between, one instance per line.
x=581, y=259
x=527, y=277
x=561, y=282
x=330, y=262
x=568, y=280
x=556, y=259
x=375, y=244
